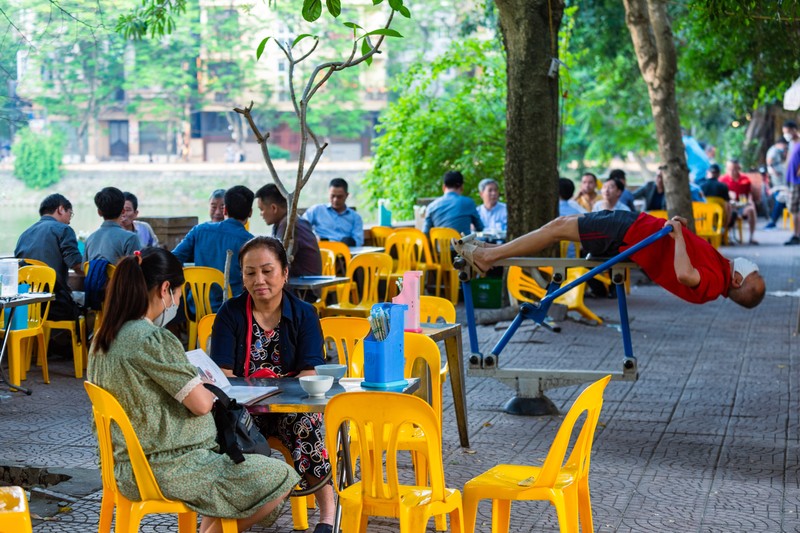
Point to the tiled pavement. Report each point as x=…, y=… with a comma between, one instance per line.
x=706, y=440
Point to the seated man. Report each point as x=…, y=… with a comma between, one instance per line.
x=653, y=192
x=452, y=210
x=53, y=241
x=612, y=196
x=587, y=195
x=336, y=221
x=566, y=205
x=493, y=212
x=712, y=188
x=741, y=190
x=130, y=213
x=216, y=202
x=685, y=265
x=207, y=243
x=110, y=241
x=305, y=259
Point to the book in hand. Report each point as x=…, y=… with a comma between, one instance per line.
x=211, y=373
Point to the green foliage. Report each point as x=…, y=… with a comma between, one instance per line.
x=38, y=158
x=276, y=152
x=153, y=17
x=451, y=114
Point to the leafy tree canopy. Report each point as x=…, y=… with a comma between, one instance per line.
x=450, y=114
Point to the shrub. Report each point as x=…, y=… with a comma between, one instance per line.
x=37, y=158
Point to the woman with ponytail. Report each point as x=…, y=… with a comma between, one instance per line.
x=145, y=367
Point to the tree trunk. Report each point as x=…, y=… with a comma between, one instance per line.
x=530, y=34
x=651, y=32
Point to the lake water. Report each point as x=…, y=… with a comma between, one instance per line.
x=162, y=190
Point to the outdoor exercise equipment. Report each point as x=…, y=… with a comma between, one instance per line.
x=530, y=384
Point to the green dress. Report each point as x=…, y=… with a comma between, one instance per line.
x=146, y=369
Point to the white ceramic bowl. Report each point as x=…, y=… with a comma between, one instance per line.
x=337, y=371
x=316, y=386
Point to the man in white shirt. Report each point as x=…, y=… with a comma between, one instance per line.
x=493, y=213
x=612, y=191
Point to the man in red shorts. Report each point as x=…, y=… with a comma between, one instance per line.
x=685, y=265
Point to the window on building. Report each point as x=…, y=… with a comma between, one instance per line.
x=153, y=138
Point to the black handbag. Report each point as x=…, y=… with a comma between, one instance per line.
x=237, y=434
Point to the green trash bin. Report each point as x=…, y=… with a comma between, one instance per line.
x=487, y=293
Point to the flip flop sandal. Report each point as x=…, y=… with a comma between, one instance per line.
x=465, y=250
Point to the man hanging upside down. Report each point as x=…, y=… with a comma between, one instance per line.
x=685, y=265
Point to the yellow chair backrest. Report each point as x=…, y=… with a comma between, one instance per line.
x=659, y=213
x=590, y=401
x=340, y=249
x=432, y=308
x=440, y=245
x=569, y=249
x=419, y=346
x=376, y=267
x=14, y=513
x=106, y=409
x=707, y=217
x=400, y=246
x=204, y=328
x=328, y=262
x=421, y=252
x=379, y=234
x=40, y=279
x=347, y=333
x=199, y=281
x=377, y=418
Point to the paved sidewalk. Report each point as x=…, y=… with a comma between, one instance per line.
x=706, y=440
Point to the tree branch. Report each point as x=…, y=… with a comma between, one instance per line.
x=262, y=140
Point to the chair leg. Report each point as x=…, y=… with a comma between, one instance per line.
x=501, y=515
x=106, y=512
x=187, y=522
x=299, y=512
x=16, y=363
x=585, y=505
x=457, y=520
x=40, y=346
x=229, y=525
x=470, y=511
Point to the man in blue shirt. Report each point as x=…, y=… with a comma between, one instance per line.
x=453, y=210
x=110, y=241
x=52, y=241
x=207, y=243
x=336, y=221
x=493, y=212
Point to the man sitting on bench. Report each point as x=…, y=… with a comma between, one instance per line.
x=685, y=265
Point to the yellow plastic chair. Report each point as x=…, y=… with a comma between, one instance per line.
x=564, y=485
x=300, y=504
x=199, y=281
x=347, y=334
x=376, y=268
x=433, y=308
x=106, y=409
x=440, y=248
x=708, y=222
x=204, y=328
x=525, y=289
x=725, y=205
x=20, y=347
x=341, y=251
x=422, y=257
x=98, y=314
x=378, y=419
x=14, y=514
x=379, y=234
x=400, y=246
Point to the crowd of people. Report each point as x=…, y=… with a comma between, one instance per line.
x=262, y=328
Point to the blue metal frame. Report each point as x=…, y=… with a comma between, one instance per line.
x=538, y=312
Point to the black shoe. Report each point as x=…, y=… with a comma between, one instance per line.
x=323, y=528
x=794, y=241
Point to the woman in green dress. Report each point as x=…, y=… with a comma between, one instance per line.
x=145, y=367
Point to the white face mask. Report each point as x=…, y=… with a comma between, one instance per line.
x=169, y=312
x=788, y=137
x=744, y=266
